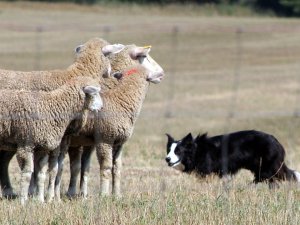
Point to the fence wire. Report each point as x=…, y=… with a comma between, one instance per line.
x=186, y=84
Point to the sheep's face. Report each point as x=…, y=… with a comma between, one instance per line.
x=133, y=55
x=111, y=50
x=95, y=51
x=156, y=73
x=95, y=100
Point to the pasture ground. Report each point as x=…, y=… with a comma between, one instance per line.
x=222, y=74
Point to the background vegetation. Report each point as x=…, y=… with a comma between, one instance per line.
x=223, y=73
x=280, y=7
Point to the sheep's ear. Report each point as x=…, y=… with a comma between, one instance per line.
x=95, y=101
x=112, y=49
x=118, y=75
x=137, y=52
x=91, y=90
x=78, y=48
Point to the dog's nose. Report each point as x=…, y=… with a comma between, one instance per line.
x=168, y=159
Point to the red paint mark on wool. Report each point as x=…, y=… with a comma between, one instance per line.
x=130, y=72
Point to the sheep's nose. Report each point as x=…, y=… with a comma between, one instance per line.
x=168, y=159
x=159, y=74
x=162, y=73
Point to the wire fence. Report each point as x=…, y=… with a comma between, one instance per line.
x=251, y=75
x=174, y=44
x=228, y=72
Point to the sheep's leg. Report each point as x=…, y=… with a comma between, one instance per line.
x=104, y=154
x=38, y=156
x=40, y=171
x=60, y=168
x=85, y=169
x=116, y=172
x=7, y=190
x=63, y=150
x=25, y=161
x=75, y=164
x=53, y=168
x=32, y=186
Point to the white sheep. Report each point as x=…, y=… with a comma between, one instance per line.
x=90, y=61
x=37, y=119
x=131, y=55
x=116, y=123
x=115, y=132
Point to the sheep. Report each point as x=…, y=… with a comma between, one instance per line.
x=90, y=61
x=110, y=127
x=5, y=158
x=37, y=119
x=132, y=55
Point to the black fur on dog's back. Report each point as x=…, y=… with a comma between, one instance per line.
x=256, y=151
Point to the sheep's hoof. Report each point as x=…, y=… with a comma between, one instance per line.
x=49, y=200
x=84, y=195
x=72, y=196
x=116, y=195
x=104, y=194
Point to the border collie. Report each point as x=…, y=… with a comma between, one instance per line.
x=223, y=155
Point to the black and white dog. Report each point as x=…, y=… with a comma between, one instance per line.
x=259, y=152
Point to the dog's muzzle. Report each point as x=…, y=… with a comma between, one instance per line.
x=168, y=160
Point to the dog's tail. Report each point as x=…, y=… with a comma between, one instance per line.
x=296, y=176
x=290, y=175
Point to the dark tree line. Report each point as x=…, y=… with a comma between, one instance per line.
x=281, y=7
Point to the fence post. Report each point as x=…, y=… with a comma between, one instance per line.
x=106, y=32
x=233, y=104
x=38, y=47
x=170, y=95
x=237, y=73
x=174, y=49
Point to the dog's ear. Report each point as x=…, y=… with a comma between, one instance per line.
x=188, y=137
x=201, y=138
x=188, y=140
x=170, y=139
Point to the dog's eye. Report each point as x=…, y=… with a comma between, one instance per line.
x=177, y=150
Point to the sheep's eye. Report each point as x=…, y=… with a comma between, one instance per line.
x=117, y=75
x=141, y=58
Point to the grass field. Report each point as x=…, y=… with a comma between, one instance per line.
x=222, y=74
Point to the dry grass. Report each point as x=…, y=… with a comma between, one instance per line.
x=199, y=94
